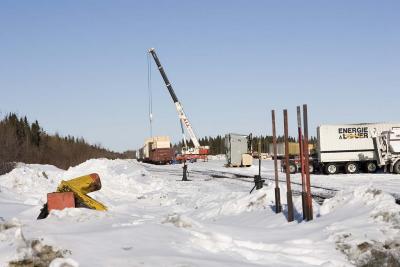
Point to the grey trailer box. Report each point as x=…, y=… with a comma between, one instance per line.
x=235, y=147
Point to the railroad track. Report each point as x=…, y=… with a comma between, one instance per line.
x=319, y=194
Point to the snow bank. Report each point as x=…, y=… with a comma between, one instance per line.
x=28, y=252
x=369, y=232
x=156, y=220
x=31, y=182
x=121, y=180
x=236, y=203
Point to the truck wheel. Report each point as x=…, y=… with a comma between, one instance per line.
x=396, y=167
x=292, y=168
x=371, y=167
x=351, y=168
x=331, y=168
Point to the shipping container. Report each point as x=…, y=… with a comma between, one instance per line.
x=161, y=156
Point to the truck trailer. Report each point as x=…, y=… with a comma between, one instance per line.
x=350, y=148
x=156, y=150
x=293, y=149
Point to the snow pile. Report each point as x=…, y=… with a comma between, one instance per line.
x=30, y=252
x=77, y=215
x=154, y=219
x=118, y=177
x=372, y=240
x=31, y=182
x=237, y=203
x=179, y=220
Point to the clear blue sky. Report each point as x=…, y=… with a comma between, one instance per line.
x=80, y=67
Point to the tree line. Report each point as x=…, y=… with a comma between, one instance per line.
x=22, y=141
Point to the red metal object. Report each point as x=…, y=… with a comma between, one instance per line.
x=60, y=201
x=190, y=157
x=96, y=179
x=306, y=165
x=302, y=165
x=203, y=151
x=161, y=155
x=278, y=206
x=289, y=195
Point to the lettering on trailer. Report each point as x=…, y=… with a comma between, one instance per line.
x=353, y=133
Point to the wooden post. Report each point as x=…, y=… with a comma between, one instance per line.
x=301, y=158
x=278, y=206
x=288, y=185
x=306, y=165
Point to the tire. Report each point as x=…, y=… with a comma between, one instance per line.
x=371, y=167
x=292, y=168
x=351, y=168
x=331, y=168
x=396, y=167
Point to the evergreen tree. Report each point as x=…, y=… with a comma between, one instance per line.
x=35, y=133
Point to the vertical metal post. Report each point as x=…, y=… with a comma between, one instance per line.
x=259, y=157
x=288, y=185
x=184, y=176
x=278, y=206
x=258, y=181
x=301, y=157
x=306, y=165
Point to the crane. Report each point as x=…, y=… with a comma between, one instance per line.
x=198, y=151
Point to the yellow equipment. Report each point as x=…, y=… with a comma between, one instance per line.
x=79, y=187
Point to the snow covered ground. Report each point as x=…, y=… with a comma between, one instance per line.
x=154, y=219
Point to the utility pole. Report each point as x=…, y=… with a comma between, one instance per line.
x=278, y=206
x=288, y=185
x=301, y=157
x=306, y=165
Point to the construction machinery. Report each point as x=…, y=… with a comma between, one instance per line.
x=387, y=149
x=73, y=194
x=188, y=153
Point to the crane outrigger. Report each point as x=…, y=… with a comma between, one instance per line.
x=197, y=151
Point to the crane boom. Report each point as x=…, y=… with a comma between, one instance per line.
x=178, y=105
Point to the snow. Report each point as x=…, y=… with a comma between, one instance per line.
x=154, y=219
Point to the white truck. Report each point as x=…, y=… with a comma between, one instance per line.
x=354, y=147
